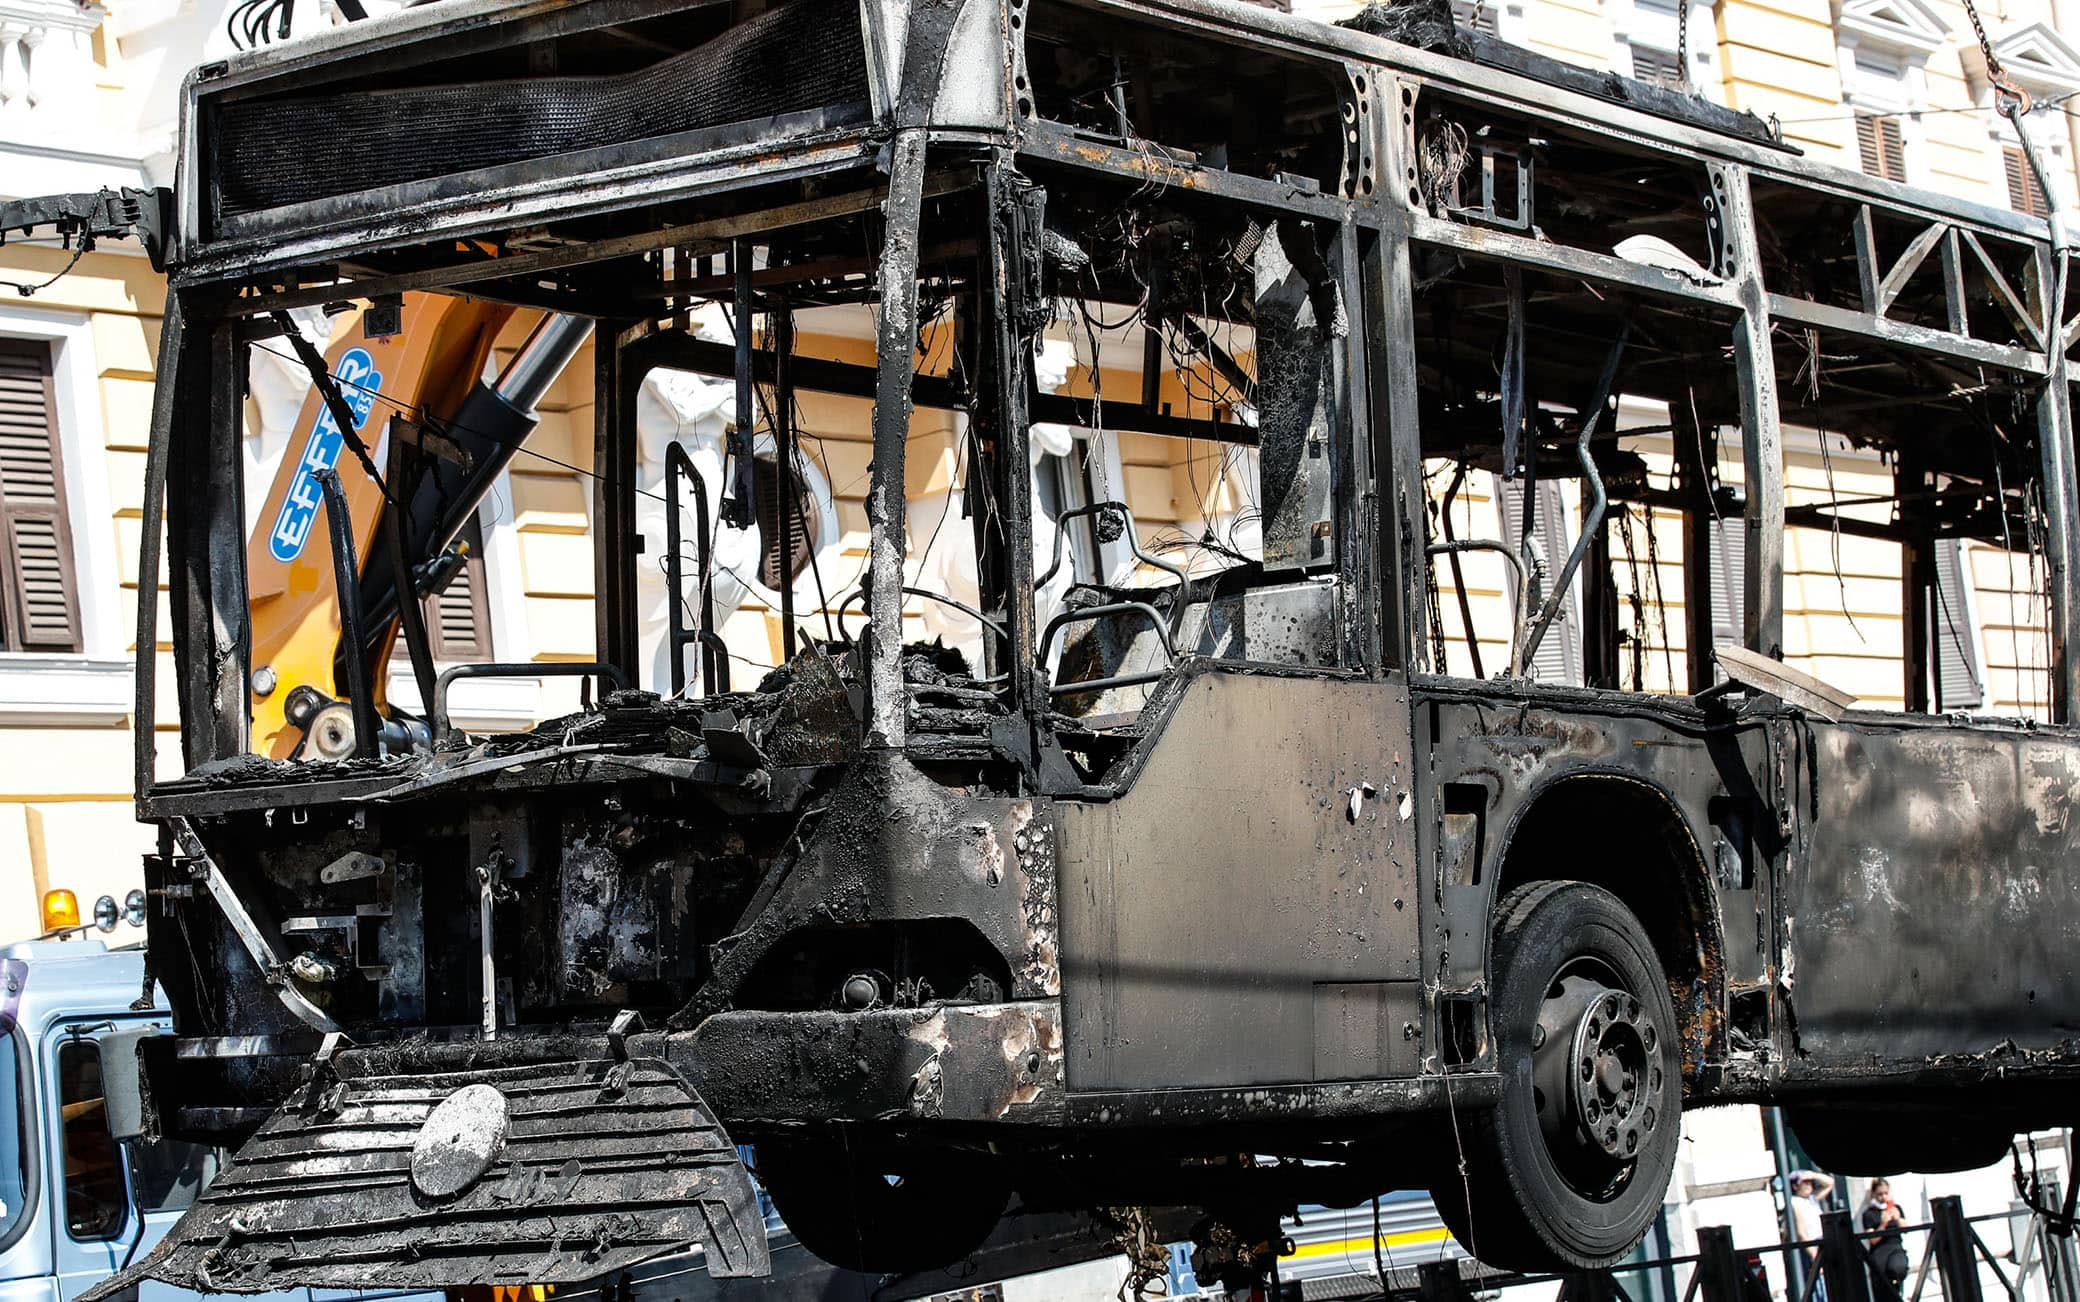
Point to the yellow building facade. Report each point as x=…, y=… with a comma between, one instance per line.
x=87, y=98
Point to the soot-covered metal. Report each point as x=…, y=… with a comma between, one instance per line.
x=1201, y=851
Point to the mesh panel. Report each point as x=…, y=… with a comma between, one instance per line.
x=271, y=152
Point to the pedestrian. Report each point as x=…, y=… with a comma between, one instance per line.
x=1888, y=1256
x=1807, y=1189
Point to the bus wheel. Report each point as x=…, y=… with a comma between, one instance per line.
x=1569, y=1170
x=845, y=1208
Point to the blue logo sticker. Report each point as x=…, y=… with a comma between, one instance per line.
x=358, y=383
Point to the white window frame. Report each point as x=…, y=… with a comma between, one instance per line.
x=1654, y=25
x=92, y=685
x=1906, y=32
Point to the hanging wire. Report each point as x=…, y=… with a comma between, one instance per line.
x=80, y=248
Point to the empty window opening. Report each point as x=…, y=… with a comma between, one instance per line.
x=1522, y=568
x=1914, y=574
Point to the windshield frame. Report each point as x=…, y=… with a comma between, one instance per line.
x=28, y=1134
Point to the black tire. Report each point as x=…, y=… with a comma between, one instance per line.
x=859, y=1213
x=1887, y=1141
x=1540, y=1191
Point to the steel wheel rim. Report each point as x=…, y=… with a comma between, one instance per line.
x=1597, y=1069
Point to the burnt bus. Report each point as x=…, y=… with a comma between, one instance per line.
x=1226, y=876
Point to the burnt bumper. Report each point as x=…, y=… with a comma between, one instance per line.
x=956, y=1062
x=440, y=1166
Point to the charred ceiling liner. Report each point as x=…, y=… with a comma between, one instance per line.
x=803, y=55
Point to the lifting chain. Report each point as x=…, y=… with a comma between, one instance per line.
x=2005, y=91
x=1683, y=41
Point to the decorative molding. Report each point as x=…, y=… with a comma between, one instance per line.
x=60, y=690
x=2038, y=58
x=1895, y=26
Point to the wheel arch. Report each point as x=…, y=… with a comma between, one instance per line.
x=1627, y=835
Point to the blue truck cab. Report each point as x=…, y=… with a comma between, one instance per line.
x=75, y=1205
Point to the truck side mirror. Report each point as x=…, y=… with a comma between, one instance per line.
x=122, y=1081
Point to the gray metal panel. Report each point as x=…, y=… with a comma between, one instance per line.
x=1202, y=908
x=1367, y=1029
x=1938, y=913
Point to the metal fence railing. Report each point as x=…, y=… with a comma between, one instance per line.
x=1839, y=1266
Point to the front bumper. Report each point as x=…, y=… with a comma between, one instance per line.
x=443, y=1166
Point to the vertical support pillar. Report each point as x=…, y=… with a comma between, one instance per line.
x=895, y=343
x=1841, y=1260
x=231, y=615
x=1354, y=480
x=1718, y=1268
x=1696, y=451
x=737, y=506
x=616, y=380
x=780, y=329
x=206, y=527
x=1919, y=648
x=1762, y=440
x=2055, y=448
x=1397, y=456
x=166, y=420
x=1951, y=1240
x=1002, y=414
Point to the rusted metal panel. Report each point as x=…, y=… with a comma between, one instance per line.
x=1266, y=846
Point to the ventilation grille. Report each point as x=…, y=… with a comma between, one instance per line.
x=273, y=151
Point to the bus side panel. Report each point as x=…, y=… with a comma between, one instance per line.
x=1246, y=913
x=1937, y=913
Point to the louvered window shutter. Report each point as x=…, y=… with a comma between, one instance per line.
x=458, y=617
x=1660, y=67
x=766, y=483
x=1729, y=580
x=2024, y=194
x=39, y=595
x=1881, y=147
x=1559, y=655
x=1895, y=146
x=1959, y=681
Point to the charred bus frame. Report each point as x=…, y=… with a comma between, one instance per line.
x=1553, y=914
